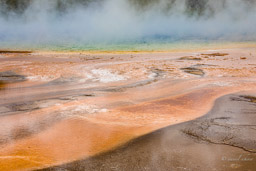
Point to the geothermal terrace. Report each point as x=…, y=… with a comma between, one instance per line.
x=192, y=110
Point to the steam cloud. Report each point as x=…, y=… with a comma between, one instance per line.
x=87, y=21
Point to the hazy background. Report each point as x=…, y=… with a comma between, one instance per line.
x=79, y=23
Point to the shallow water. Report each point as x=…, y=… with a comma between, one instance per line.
x=136, y=46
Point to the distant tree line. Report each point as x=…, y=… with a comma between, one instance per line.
x=193, y=7
x=17, y=6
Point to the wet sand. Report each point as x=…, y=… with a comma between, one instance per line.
x=72, y=107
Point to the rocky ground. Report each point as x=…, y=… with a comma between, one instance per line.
x=58, y=108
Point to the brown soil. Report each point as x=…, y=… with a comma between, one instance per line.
x=216, y=54
x=190, y=58
x=14, y=51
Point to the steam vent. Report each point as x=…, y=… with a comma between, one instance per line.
x=127, y=85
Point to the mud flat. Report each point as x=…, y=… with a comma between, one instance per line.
x=119, y=111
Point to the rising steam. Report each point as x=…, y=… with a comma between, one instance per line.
x=88, y=21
